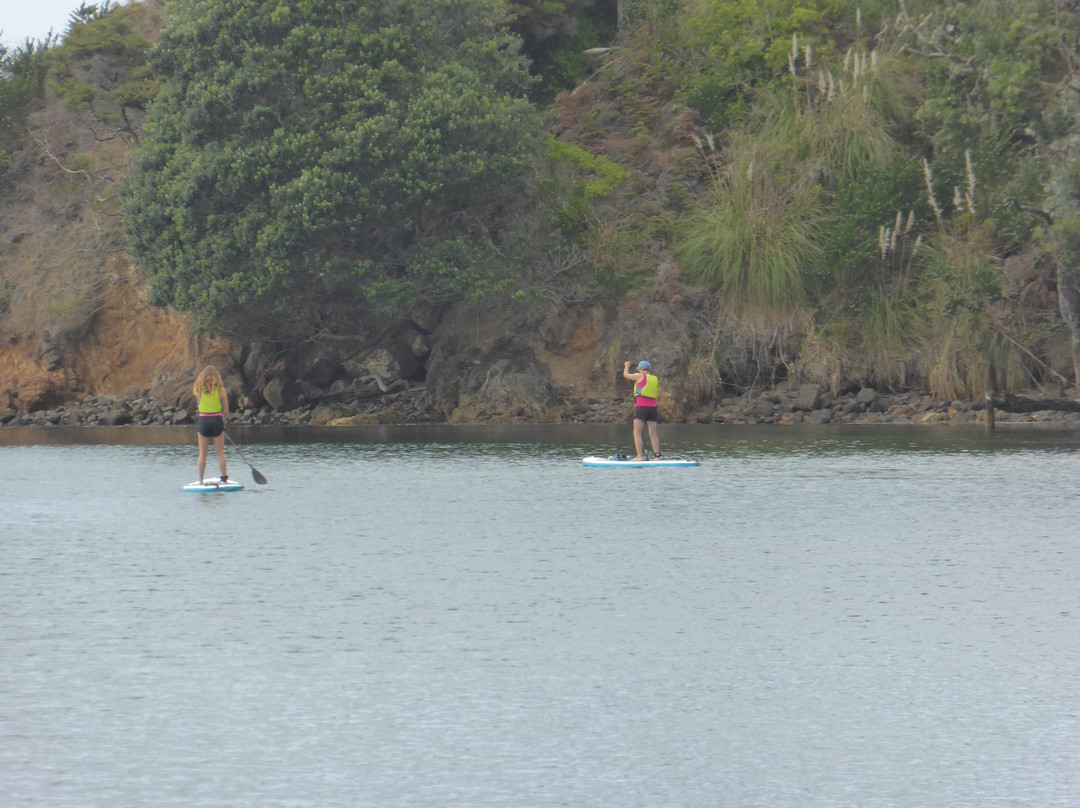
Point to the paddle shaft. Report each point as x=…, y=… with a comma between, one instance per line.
x=254, y=471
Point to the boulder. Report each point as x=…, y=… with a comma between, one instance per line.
x=382, y=364
x=115, y=417
x=763, y=409
x=326, y=413
x=322, y=372
x=258, y=359
x=282, y=394
x=174, y=392
x=43, y=391
x=807, y=398
x=507, y=394
x=866, y=396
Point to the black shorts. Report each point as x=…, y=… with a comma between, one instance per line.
x=210, y=426
x=646, y=413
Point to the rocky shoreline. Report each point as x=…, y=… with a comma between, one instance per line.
x=791, y=404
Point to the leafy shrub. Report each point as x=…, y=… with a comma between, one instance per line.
x=303, y=161
x=861, y=205
x=593, y=177
x=22, y=73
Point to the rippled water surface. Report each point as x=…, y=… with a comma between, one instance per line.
x=879, y=617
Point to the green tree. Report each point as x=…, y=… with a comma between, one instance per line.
x=987, y=65
x=22, y=74
x=101, y=66
x=305, y=157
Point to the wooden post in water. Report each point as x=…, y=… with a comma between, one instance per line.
x=992, y=374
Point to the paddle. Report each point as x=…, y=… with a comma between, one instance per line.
x=259, y=479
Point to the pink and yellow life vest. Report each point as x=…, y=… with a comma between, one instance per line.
x=647, y=391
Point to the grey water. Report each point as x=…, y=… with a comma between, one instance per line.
x=815, y=617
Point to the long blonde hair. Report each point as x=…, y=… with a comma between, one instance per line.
x=208, y=381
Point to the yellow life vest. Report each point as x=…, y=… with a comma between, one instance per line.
x=649, y=387
x=210, y=403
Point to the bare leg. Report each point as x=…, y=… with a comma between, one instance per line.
x=654, y=437
x=639, y=442
x=204, y=445
x=219, y=448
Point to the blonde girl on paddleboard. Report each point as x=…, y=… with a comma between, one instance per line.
x=213, y=410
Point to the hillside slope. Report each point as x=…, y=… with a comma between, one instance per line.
x=637, y=161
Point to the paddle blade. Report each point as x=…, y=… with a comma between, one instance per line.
x=259, y=479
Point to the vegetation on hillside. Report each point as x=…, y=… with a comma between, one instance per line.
x=304, y=158
x=861, y=191
x=66, y=122
x=878, y=181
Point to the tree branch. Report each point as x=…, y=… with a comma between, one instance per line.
x=1011, y=403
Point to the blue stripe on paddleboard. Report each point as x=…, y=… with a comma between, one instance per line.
x=612, y=462
x=209, y=487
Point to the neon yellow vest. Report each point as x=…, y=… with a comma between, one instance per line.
x=210, y=403
x=648, y=387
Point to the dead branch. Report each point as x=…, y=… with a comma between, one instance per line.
x=1011, y=403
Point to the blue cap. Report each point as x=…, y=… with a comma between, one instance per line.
x=644, y=365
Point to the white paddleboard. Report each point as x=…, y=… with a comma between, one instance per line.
x=620, y=461
x=213, y=486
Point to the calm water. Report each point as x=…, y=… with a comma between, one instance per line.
x=440, y=617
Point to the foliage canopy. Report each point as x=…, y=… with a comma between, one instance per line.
x=303, y=157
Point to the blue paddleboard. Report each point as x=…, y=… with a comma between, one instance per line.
x=621, y=461
x=213, y=486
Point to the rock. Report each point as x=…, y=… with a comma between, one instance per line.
x=419, y=344
x=322, y=372
x=256, y=363
x=326, y=413
x=360, y=419
x=382, y=364
x=43, y=392
x=763, y=409
x=819, y=417
x=49, y=354
x=866, y=396
x=507, y=395
x=808, y=398
x=115, y=417
x=173, y=391
x=282, y=394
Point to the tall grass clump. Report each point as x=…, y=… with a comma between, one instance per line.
x=967, y=348
x=758, y=235
x=841, y=113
